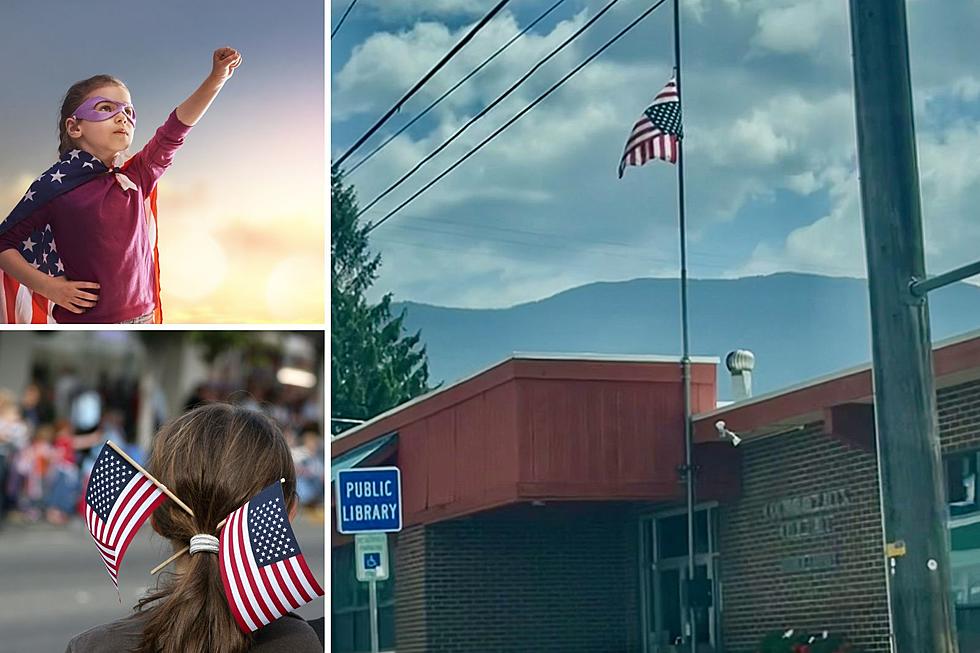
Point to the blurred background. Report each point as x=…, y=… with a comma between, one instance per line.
x=62, y=394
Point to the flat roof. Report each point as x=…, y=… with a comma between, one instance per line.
x=571, y=357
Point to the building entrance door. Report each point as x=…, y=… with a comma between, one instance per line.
x=664, y=545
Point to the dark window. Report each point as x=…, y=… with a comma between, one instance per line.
x=350, y=609
x=961, y=484
x=672, y=535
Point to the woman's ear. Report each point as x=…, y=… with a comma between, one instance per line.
x=293, y=509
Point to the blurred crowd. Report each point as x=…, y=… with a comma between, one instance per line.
x=52, y=433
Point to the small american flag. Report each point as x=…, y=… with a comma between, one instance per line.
x=18, y=304
x=118, y=500
x=658, y=133
x=263, y=571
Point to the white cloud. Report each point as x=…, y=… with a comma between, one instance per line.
x=833, y=245
x=769, y=124
x=800, y=27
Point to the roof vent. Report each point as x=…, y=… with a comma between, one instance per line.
x=740, y=364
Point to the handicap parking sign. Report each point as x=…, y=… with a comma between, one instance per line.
x=371, y=555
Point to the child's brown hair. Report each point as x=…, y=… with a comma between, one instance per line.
x=73, y=99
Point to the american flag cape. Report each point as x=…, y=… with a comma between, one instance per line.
x=18, y=304
x=118, y=500
x=262, y=569
x=657, y=134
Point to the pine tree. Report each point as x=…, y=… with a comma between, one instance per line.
x=375, y=364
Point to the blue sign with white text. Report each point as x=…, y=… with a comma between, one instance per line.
x=369, y=500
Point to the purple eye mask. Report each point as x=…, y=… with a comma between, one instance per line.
x=87, y=110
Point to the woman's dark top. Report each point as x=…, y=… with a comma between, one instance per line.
x=289, y=634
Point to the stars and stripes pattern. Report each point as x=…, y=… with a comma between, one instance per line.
x=118, y=500
x=262, y=569
x=20, y=305
x=658, y=133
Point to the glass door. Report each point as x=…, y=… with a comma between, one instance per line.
x=666, y=623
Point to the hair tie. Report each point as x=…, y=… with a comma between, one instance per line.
x=204, y=542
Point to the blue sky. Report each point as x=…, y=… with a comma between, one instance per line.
x=242, y=209
x=771, y=171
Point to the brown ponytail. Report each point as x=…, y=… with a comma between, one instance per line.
x=215, y=458
x=73, y=98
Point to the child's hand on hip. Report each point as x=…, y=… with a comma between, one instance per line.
x=225, y=62
x=69, y=294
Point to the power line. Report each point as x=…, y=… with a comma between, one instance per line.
x=510, y=122
x=457, y=85
x=486, y=109
x=706, y=258
x=442, y=62
x=343, y=18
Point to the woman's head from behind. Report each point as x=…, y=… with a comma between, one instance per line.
x=215, y=458
x=95, y=117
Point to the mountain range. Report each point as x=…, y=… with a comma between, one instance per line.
x=799, y=326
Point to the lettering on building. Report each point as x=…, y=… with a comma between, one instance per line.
x=810, y=562
x=807, y=516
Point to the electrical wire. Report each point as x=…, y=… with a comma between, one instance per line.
x=489, y=107
x=517, y=117
x=419, y=84
x=342, y=18
x=455, y=86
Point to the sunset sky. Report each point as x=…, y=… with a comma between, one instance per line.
x=242, y=209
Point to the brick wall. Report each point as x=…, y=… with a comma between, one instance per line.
x=849, y=598
x=552, y=580
x=758, y=594
x=410, y=597
x=959, y=417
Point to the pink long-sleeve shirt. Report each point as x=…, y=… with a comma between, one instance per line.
x=102, y=233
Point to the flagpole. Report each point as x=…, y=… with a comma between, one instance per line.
x=685, y=352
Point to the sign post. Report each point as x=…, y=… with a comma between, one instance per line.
x=369, y=506
x=371, y=554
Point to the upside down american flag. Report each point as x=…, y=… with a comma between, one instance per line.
x=262, y=569
x=20, y=305
x=658, y=133
x=118, y=500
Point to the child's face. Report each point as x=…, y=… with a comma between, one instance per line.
x=104, y=138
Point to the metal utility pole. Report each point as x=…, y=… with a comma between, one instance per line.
x=909, y=459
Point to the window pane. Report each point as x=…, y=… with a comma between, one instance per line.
x=700, y=531
x=343, y=585
x=342, y=633
x=362, y=630
x=386, y=627
x=669, y=597
x=961, y=484
x=702, y=625
x=672, y=534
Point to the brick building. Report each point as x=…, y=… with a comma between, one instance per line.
x=543, y=510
